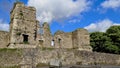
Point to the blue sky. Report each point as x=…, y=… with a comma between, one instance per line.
x=68, y=15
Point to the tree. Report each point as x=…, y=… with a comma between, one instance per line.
x=114, y=34
x=101, y=42
x=98, y=41
x=112, y=49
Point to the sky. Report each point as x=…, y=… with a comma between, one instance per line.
x=68, y=15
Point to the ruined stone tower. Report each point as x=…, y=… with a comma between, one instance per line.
x=46, y=35
x=23, y=26
x=81, y=40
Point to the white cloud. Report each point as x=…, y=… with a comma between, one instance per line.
x=74, y=20
x=111, y=4
x=100, y=26
x=4, y=26
x=49, y=10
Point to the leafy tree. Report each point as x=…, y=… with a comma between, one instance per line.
x=113, y=30
x=101, y=42
x=112, y=49
x=98, y=41
x=114, y=34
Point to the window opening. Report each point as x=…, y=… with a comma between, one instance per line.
x=52, y=43
x=25, y=38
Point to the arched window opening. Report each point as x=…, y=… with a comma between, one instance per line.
x=59, y=40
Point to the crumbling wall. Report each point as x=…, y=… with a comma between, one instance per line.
x=78, y=39
x=24, y=27
x=4, y=39
x=62, y=40
x=81, y=40
x=47, y=37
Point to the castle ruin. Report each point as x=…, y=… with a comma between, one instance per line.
x=25, y=33
x=24, y=44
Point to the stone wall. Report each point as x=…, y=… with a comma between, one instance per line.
x=68, y=57
x=10, y=57
x=78, y=39
x=63, y=40
x=4, y=39
x=94, y=58
x=28, y=57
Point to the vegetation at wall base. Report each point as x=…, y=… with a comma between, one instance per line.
x=11, y=51
x=42, y=65
x=10, y=67
x=44, y=48
x=7, y=49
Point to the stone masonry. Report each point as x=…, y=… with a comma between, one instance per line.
x=4, y=39
x=25, y=32
x=31, y=57
x=35, y=44
x=23, y=26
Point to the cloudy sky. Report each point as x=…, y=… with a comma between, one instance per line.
x=68, y=15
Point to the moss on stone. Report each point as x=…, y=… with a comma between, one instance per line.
x=26, y=42
x=19, y=33
x=44, y=48
x=42, y=65
x=10, y=67
x=11, y=51
x=7, y=50
x=21, y=14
